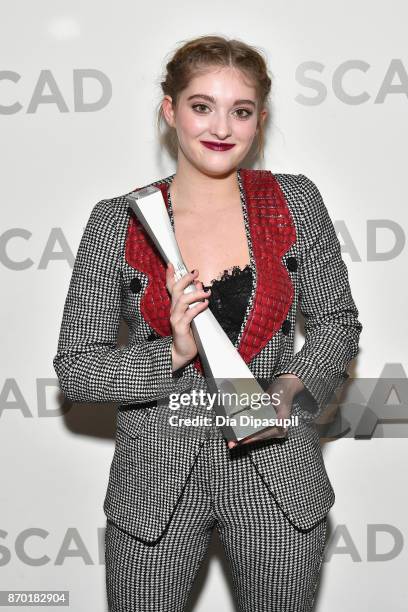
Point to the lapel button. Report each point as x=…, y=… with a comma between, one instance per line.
x=286, y=327
x=135, y=285
x=292, y=264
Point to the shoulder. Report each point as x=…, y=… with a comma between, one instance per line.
x=119, y=206
x=298, y=188
x=109, y=218
x=105, y=216
x=303, y=197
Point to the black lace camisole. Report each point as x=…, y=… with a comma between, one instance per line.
x=229, y=298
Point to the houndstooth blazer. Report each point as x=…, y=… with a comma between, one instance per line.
x=296, y=262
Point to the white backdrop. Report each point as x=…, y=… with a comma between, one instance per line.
x=79, y=84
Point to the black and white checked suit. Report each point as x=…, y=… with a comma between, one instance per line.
x=155, y=482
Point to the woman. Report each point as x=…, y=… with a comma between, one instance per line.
x=258, y=244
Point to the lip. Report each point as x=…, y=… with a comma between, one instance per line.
x=217, y=146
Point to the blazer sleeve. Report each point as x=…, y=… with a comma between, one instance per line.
x=89, y=365
x=332, y=328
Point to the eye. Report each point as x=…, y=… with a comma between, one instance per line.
x=195, y=106
x=249, y=113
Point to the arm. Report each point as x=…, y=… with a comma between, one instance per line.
x=89, y=365
x=332, y=329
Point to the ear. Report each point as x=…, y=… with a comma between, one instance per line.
x=262, y=117
x=168, y=110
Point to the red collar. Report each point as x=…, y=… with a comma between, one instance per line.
x=270, y=231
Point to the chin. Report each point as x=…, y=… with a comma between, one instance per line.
x=218, y=167
x=217, y=171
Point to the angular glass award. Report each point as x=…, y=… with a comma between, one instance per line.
x=227, y=374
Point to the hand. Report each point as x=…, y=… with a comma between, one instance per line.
x=286, y=389
x=184, y=348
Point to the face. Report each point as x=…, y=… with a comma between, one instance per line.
x=218, y=106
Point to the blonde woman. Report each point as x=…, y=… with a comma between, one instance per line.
x=258, y=244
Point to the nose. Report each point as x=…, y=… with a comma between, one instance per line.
x=220, y=126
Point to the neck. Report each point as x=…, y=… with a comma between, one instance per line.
x=194, y=190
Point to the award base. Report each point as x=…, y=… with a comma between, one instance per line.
x=241, y=417
x=244, y=424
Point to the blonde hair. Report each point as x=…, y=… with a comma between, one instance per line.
x=198, y=55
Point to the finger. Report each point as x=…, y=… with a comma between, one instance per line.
x=181, y=306
x=178, y=285
x=170, y=271
x=195, y=296
x=190, y=313
x=182, y=315
x=282, y=416
x=185, y=280
x=170, y=280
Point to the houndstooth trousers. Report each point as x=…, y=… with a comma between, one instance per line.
x=275, y=566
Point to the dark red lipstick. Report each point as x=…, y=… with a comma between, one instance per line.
x=217, y=146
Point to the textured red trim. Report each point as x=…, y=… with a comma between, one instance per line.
x=141, y=254
x=272, y=234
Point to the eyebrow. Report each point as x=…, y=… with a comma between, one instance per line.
x=211, y=99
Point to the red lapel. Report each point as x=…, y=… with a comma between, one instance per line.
x=272, y=233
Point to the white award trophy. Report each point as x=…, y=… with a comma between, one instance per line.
x=224, y=367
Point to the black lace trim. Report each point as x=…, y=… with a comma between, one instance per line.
x=228, y=272
x=229, y=298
